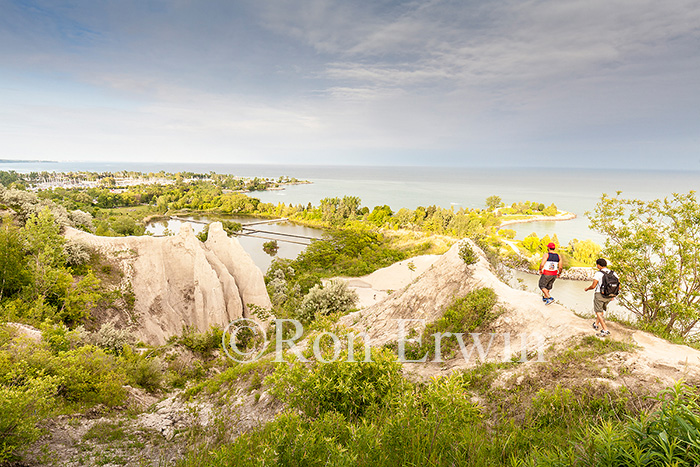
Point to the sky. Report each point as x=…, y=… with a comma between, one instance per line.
x=518, y=83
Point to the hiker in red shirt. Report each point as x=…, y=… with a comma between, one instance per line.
x=550, y=268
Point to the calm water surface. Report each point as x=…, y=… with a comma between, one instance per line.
x=574, y=190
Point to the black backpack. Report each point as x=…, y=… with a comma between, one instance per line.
x=609, y=285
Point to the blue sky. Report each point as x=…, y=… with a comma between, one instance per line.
x=454, y=83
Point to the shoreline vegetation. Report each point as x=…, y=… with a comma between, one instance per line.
x=120, y=180
x=121, y=204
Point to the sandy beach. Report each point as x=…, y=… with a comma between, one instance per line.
x=563, y=216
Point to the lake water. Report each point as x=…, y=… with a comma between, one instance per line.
x=574, y=190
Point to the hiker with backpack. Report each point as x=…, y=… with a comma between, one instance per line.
x=607, y=287
x=550, y=268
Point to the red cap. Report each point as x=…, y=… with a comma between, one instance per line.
x=551, y=246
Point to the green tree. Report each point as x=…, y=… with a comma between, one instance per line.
x=380, y=215
x=532, y=243
x=79, y=299
x=492, y=202
x=125, y=225
x=586, y=251
x=47, y=257
x=271, y=247
x=8, y=178
x=551, y=210
x=21, y=409
x=349, y=206
x=13, y=263
x=231, y=228
x=654, y=247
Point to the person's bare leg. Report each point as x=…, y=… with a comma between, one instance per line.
x=601, y=321
x=545, y=292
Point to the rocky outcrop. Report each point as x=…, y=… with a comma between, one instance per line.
x=179, y=281
x=424, y=299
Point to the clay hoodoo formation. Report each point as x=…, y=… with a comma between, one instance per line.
x=179, y=281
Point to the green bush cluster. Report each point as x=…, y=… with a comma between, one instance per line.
x=22, y=407
x=62, y=372
x=347, y=388
x=670, y=436
x=414, y=425
x=37, y=378
x=470, y=313
x=39, y=273
x=466, y=252
x=200, y=342
x=352, y=252
x=441, y=423
x=335, y=297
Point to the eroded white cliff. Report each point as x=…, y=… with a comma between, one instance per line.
x=179, y=281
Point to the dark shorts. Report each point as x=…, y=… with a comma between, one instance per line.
x=600, y=303
x=547, y=281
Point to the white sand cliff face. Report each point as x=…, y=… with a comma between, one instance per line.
x=179, y=281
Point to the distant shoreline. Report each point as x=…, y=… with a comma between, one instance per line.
x=564, y=216
x=23, y=161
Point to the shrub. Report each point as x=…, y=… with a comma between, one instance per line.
x=60, y=338
x=231, y=227
x=204, y=234
x=110, y=338
x=182, y=370
x=669, y=436
x=200, y=342
x=464, y=315
x=348, y=388
x=21, y=408
x=271, y=247
x=76, y=253
x=125, y=226
x=435, y=425
x=143, y=371
x=81, y=220
x=466, y=252
x=335, y=297
x=90, y=375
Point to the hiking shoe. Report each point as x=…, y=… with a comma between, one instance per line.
x=549, y=301
x=603, y=334
x=544, y=299
x=595, y=326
